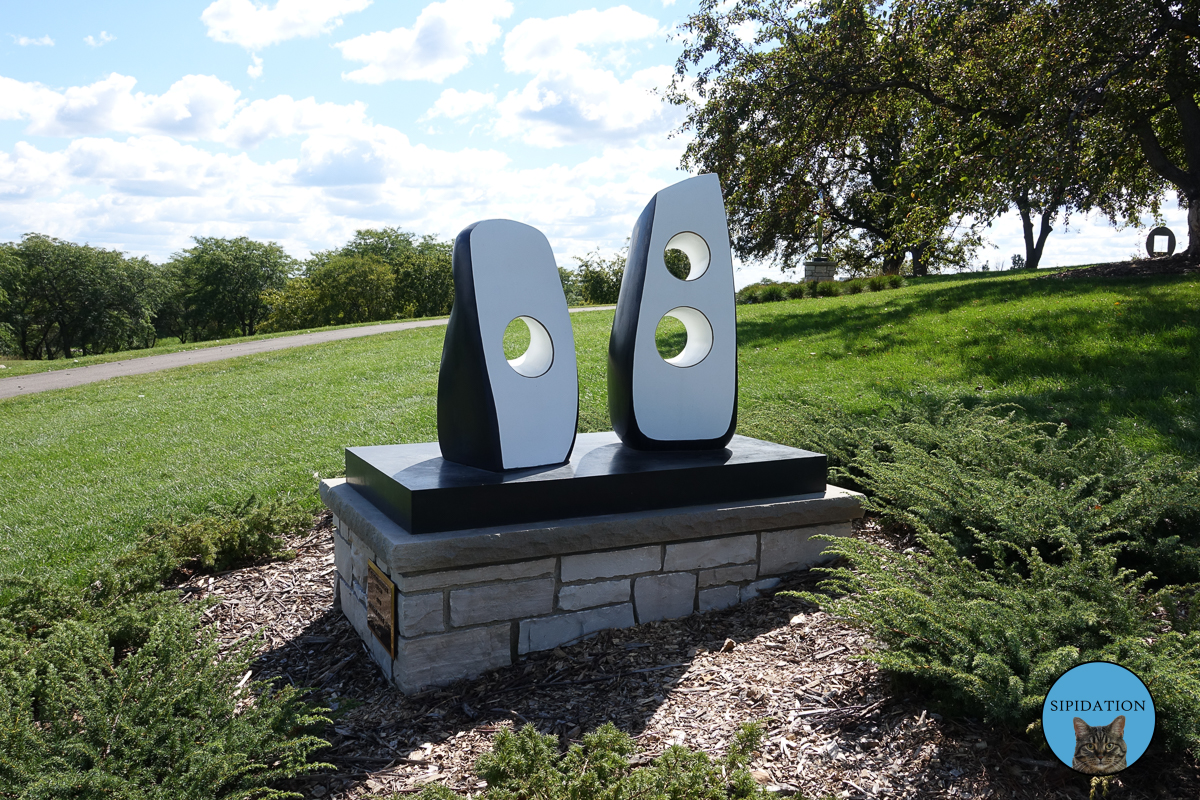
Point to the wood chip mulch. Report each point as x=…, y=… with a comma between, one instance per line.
x=835, y=728
x=1178, y=264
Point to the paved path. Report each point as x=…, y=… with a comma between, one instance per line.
x=77, y=376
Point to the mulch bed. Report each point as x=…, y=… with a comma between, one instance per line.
x=834, y=725
x=1178, y=264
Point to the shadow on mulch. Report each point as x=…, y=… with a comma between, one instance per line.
x=835, y=727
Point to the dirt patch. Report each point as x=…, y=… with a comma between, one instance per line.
x=1137, y=268
x=834, y=725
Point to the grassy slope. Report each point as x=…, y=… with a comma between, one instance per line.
x=1098, y=354
x=84, y=469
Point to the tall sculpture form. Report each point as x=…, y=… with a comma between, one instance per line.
x=495, y=413
x=688, y=402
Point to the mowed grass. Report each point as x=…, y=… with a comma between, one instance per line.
x=1095, y=354
x=86, y=469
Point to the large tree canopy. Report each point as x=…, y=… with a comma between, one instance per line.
x=994, y=104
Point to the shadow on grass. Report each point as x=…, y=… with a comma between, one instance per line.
x=1105, y=366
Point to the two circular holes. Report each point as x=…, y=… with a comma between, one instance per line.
x=684, y=336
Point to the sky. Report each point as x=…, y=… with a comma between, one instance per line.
x=138, y=125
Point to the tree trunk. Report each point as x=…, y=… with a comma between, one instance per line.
x=1034, y=248
x=1193, y=248
x=920, y=260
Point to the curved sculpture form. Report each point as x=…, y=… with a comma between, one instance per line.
x=495, y=413
x=688, y=402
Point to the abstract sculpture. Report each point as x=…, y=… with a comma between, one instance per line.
x=495, y=413
x=688, y=402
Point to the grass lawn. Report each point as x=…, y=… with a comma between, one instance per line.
x=84, y=469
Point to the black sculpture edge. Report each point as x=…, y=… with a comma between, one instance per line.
x=468, y=430
x=621, y=344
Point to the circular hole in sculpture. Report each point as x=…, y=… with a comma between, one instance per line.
x=528, y=347
x=696, y=337
x=687, y=256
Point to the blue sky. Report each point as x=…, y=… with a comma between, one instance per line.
x=140, y=125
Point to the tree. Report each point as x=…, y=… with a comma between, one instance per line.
x=340, y=290
x=599, y=279
x=424, y=278
x=423, y=274
x=62, y=297
x=223, y=283
x=780, y=144
x=1045, y=107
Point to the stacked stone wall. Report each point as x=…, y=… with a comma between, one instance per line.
x=458, y=623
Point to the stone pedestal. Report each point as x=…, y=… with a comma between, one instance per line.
x=820, y=269
x=468, y=601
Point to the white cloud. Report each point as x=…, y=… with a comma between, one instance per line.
x=104, y=38
x=194, y=107
x=440, y=43
x=255, y=26
x=25, y=41
x=571, y=98
x=454, y=104
x=256, y=68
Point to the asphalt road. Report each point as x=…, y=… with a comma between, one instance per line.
x=77, y=376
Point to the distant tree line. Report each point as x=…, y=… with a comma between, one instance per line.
x=61, y=300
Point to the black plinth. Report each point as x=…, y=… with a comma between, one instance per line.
x=423, y=493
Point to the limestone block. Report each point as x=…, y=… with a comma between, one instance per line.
x=337, y=526
x=341, y=558
x=443, y=658
x=588, y=595
x=462, y=577
x=545, y=633
x=337, y=592
x=501, y=601
x=719, y=597
x=711, y=553
x=612, y=564
x=360, y=554
x=419, y=613
x=753, y=590
x=665, y=596
x=409, y=553
x=356, y=611
x=791, y=550
x=723, y=575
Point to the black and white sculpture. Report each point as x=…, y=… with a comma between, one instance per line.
x=688, y=402
x=495, y=413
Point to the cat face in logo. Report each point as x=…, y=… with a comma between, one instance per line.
x=1100, y=749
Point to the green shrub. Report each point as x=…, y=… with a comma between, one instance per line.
x=877, y=283
x=222, y=537
x=78, y=719
x=855, y=286
x=1041, y=553
x=115, y=690
x=749, y=295
x=528, y=765
x=827, y=289
x=795, y=291
x=772, y=293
